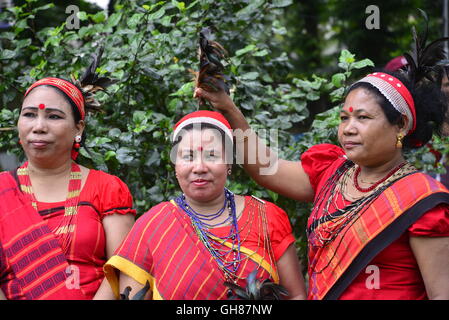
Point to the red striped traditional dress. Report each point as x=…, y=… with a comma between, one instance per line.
x=416, y=205
x=32, y=264
x=163, y=248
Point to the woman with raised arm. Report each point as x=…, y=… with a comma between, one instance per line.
x=379, y=228
x=59, y=221
x=188, y=247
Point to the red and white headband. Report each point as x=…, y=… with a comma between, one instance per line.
x=204, y=116
x=396, y=93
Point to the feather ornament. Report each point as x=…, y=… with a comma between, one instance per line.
x=90, y=82
x=423, y=60
x=210, y=76
x=256, y=289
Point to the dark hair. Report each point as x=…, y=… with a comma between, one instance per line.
x=430, y=105
x=225, y=140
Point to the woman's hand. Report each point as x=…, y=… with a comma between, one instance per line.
x=220, y=100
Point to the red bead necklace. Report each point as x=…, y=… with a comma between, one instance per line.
x=357, y=173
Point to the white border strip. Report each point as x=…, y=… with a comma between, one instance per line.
x=212, y=121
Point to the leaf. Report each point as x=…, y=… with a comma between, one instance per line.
x=261, y=53
x=180, y=5
x=154, y=158
x=251, y=8
x=99, y=17
x=185, y=90
x=346, y=57
x=113, y=20
x=157, y=15
x=134, y=20
x=337, y=95
x=338, y=79
x=114, y=133
x=139, y=116
x=362, y=64
x=151, y=72
x=20, y=26
x=248, y=48
x=23, y=43
x=313, y=96
x=45, y=7
x=109, y=155
x=82, y=15
x=250, y=76
x=281, y=3
x=124, y=155
x=7, y=54
x=84, y=31
x=274, y=196
x=6, y=114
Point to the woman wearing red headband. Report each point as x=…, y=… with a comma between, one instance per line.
x=188, y=247
x=59, y=221
x=379, y=229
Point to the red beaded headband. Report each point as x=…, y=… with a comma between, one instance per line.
x=68, y=88
x=395, y=92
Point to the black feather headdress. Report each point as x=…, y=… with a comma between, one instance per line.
x=256, y=289
x=211, y=75
x=424, y=60
x=90, y=82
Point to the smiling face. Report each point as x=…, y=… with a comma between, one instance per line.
x=200, y=165
x=364, y=132
x=46, y=126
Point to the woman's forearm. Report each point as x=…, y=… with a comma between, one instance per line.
x=251, y=151
x=2, y=295
x=104, y=292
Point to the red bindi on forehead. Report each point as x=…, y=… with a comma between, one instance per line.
x=41, y=106
x=349, y=109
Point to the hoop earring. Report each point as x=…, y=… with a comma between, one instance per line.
x=399, y=141
x=229, y=172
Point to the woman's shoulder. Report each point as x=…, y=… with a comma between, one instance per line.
x=323, y=152
x=6, y=176
x=107, y=192
x=271, y=208
x=100, y=180
x=320, y=158
x=160, y=210
x=102, y=176
x=422, y=182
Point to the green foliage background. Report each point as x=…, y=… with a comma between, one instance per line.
x=149, y=48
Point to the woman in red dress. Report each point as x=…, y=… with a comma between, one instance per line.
x=59, y=221
x=188, y=247
x=379, y=228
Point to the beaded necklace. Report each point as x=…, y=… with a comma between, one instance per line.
x=213, y=243
x=359, y=169
x=328, y=224
x=66, y=226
